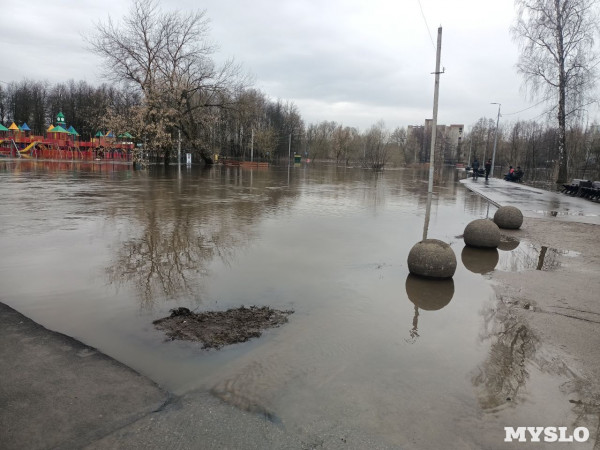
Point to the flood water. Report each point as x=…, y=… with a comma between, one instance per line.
x=99, y=251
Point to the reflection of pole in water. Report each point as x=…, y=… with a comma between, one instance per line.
x=427, y=214
x=541, y=258
x=426, y=294
x=414, y=331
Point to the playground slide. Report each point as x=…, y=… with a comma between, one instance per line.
x=28, y=148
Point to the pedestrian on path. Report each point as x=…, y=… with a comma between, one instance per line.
x=488, y=168
x=475, y=168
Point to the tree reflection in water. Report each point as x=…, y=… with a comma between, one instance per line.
x=180, y=234
x=512, y=347
x=169, y=259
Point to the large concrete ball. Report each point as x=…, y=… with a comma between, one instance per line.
x=480, y=260
x=482, y=233
x=432, y=258
x=429, y=294
x=508, y=217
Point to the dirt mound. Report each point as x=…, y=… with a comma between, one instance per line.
x=216, y=329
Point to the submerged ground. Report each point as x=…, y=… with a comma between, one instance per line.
x=99, y=252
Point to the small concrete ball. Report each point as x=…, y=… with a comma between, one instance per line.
x=432, y=258
x=482, y=233
x=429, y=294
x=508, y=217
x=480, y=260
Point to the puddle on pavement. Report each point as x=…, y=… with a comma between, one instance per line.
x=528, y=256
x=513, y=255
x=104, y=252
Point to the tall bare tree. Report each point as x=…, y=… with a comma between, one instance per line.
x=558, y=58
x=376, y=141
x=167, y=56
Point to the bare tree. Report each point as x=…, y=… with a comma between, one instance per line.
x=342, y=137
x=376, y=141
x=558, y=58
x=168, y=57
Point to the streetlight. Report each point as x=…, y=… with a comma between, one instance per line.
x=495, y=137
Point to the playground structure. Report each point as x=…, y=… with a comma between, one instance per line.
x=61, y=143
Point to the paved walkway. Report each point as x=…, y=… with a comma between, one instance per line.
x=57, y=393
x=534, y=202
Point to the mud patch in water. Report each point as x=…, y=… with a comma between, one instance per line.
x=216, y=329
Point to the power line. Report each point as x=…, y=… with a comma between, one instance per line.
x=526, y=109
x=426, y=25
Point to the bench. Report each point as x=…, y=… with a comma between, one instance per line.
x=583, y=188
x=590, y=190
x=573, y=188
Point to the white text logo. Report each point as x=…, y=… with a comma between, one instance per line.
x=546, y=434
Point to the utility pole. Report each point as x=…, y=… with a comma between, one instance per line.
x=290, y=149
x=252, y=145
x=436, y=94
x=470, y=147
x=179, y=146
x=495, y=138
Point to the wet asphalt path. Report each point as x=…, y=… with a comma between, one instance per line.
x=534, y=202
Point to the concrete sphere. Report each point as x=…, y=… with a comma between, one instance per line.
x=480, y=260
x=432, y=258
x=482, y=233
x=508, y=217
x=429, y=294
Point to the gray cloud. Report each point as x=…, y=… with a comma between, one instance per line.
x=351, y=61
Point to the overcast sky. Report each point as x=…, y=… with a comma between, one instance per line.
x=351, y=61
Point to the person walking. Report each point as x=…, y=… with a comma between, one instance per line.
x=488, y=168
x=475, y=168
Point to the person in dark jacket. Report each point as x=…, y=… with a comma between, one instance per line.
x=518, y=174
x=488, y=168
x=475, y=168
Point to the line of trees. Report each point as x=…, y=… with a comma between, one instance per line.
x=252, y=121
x=535, y=147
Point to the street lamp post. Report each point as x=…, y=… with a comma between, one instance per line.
x=495, y=137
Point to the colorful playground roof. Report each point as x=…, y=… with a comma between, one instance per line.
x=110, y=134
x=50, y=128
x=13, y=126
x=126, y=135
x=58, y=129
x=3, y=128
x=72, y=130
x=99, y=134
x=25, y=127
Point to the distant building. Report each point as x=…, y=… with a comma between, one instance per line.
x=448, y=140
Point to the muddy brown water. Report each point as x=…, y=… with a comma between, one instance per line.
x=99, y=251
